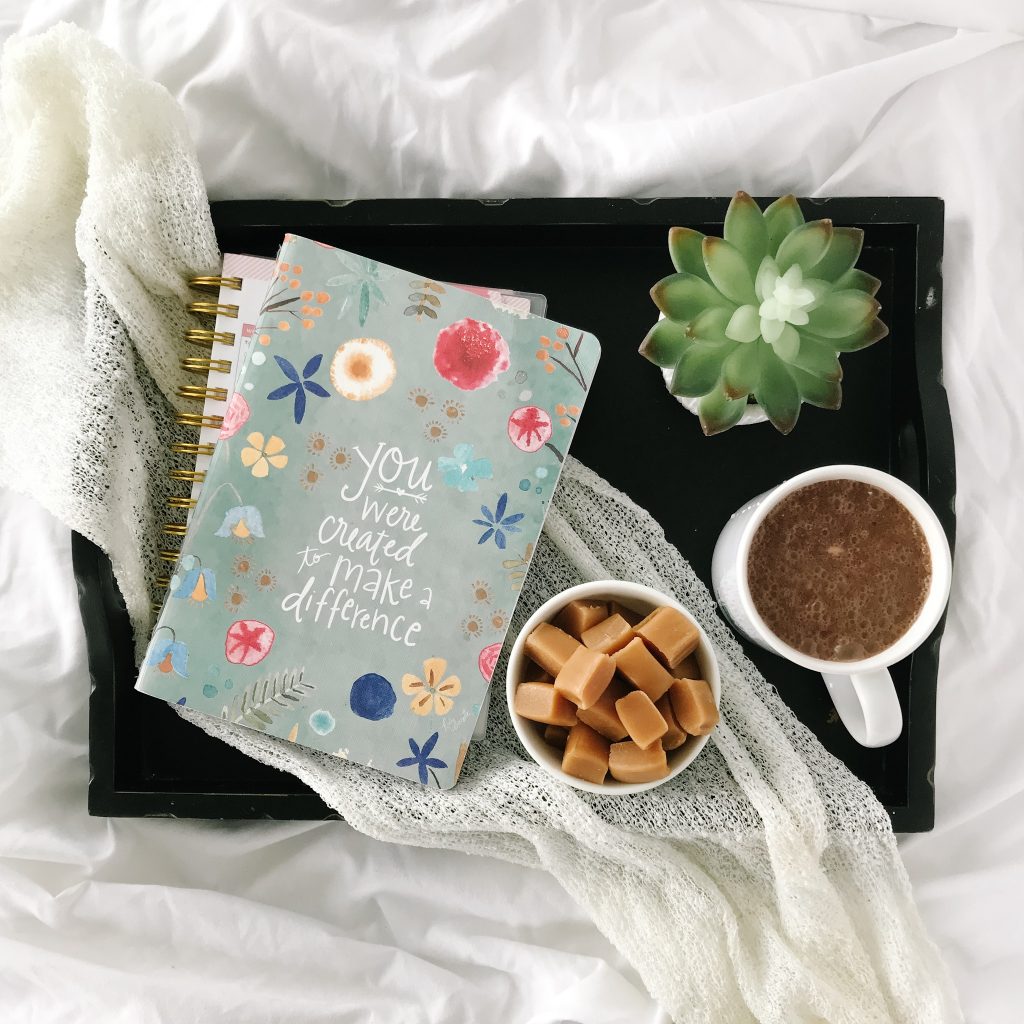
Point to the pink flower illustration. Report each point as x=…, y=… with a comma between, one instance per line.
x=488, y=659
x=248, y=642
x=470, y=354
x=235, y=417
x=529, y=427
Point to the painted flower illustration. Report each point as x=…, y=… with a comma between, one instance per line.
x=262, y=454
x=193, y=582
x=168, y=655
x=434, y=692
x=248, y=642
x=242, y=521
x=235, y=599
x=461, y=470
x=422, y=759
x=470, y=354
x=488, y=660
x=363, y=368
x=529, y=428
x=322, y=722
x=235, y=416
x=497, y=523
x=298, y=386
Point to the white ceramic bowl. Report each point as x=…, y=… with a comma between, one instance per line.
x=640, y=599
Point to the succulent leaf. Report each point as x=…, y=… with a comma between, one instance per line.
x=719, y=412
x=819, y=391
x=728, y=270
x=787, y=345
x=782, y=217
x=744, y=325
x=764, y=281
x=746, y=230
x=842, y=313
x=841, y=255
x=778, y=396
x=685, y=252
x=711, y=325
x=864, y=336
x=665, y=343
x=684, y=296
x=818, y=358
x=698, y=369
x=805, y=246
x=741, y=371
x=860, y=281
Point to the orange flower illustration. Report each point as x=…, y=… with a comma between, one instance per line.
x=434, y=692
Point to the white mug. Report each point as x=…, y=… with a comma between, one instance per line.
x=862, y=691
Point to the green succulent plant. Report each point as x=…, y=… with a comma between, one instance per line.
x=762, y=313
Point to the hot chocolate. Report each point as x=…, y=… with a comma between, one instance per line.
x=839, y=570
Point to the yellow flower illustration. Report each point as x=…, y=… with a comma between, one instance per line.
x=433, y=692
x=261, y=455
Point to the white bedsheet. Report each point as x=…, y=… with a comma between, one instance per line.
x=141, y=921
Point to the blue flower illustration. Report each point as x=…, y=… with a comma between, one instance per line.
x=242, y=521
x=497, y=523
x=169, y=655
x=461, y=470
x=193, y=582
x=299, y=386
x=421, y=757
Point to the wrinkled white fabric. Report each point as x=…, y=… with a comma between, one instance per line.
x=328, y=99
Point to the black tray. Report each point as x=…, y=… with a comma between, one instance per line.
x=595, y=259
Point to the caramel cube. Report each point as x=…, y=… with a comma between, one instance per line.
x=609, y=635
x=629, y=763
x=586, y=754
x=642, y=669
x=550, y=647
x=675, y=734
x=602, y=716
x=632, y=617
x=643, y=721
x=556, y=735
x=694, y=706
x=584, y=677
x=540, y=703
x=533, y=673
x=580, y=615
x=670, y=635
x=688, y=668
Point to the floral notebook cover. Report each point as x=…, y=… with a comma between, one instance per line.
x=369, y=513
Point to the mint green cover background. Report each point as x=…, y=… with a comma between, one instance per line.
x=450, y=561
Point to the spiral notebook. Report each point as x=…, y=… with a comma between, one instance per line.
x=369, y=511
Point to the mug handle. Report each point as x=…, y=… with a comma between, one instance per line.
x=868, y=705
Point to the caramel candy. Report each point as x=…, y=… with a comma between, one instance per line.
x=540, y=703
x=533, y=673
x=550, y=647
x=632, y=617
x=642, y=669
x=688, y=668
x=609, y=635
x=629, y=763
x=580, y=615
x=669, y=634
x=675, y=735
x=641, y=718
x=586, y=754
x=556, y=735
x=584, y=677
x=602, y=716
x=694, y=706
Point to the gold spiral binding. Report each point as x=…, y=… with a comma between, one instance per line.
x=196, y=419
x=177, y=502
x=201, y=393
x=216, y=283
x=201, y=336
x=189, y=476
x=188, y=448
x=175, y=529
x=155, y=608
x=169, y=555
x=204, y=365
x=162, y=582
x=204, y=308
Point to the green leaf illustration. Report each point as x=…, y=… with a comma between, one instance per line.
x=262, y=701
